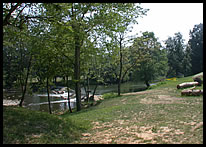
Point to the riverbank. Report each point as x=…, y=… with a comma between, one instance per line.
x=158, y=115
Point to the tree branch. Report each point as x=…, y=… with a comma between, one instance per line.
x=13, y=8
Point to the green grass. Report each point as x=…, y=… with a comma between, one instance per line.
x=110, y=95
x=158, y=115
x=21, y=125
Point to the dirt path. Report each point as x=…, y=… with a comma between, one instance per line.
x=122, y=132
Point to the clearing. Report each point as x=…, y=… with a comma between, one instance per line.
x=159, y=115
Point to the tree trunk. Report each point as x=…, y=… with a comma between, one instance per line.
x=95, y=88
x=55, y=80
x=191, y=92
x=78, y=41
x=70, y=109
x=187, y=84
x=147, y=84
x=47, y=86
x=8, y=16
x=25, y=85
x=119, y=86
x=120, y=68
x=77, y=73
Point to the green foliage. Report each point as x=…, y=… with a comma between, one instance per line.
x=153, y=61
x=196, y=44
x=178, y=56
x=187, y=65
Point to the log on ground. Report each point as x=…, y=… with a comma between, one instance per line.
x=191, y=92
x=187, y=84
x=198, y=78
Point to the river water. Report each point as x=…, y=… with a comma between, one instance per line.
x=40, y=103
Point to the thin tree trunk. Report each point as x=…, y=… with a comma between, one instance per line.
x=77, y=75
x=25, y=85
x=70, y=109
x=95, y=88
x=119, y=86
x=88, y=89
x=120, y=68
x=69, y=104
x=147, y=84
x=47, y=85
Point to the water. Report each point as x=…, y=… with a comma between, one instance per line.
x=36, y=102
x=40, y=103
x=125, y=87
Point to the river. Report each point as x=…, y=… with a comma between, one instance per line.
x=40, y=103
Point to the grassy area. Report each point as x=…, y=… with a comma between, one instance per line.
x=21, y=125
x=157, y=115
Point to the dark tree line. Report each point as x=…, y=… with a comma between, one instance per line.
x=185, y=60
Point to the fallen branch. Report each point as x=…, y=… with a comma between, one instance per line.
x=191, y=92
x=187, y=84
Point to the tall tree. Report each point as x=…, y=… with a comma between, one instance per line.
x=153, y=61
x=175, y=49
x=120, y=38
x=125, y=63
x=196, y=44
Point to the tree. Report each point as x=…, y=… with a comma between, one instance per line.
x=8, y=9
x=187, y=66
x=17, y=37
x=125, y=65
x=120, y=38
x=47, y=61
x=13, y=32
x=85, y=18
x=153, y=61
x=10, y=57
x=175, y=53
x=196, y=44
